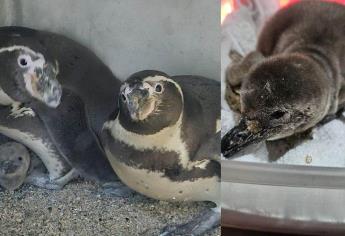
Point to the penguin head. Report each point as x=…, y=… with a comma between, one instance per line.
x=25, y=74
x=14, y=164
x=277, y=100
x=149, y=101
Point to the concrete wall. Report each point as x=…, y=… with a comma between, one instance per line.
x=175, y=36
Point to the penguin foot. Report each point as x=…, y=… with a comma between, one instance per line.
x=117, y=189
x=42, y=180
x=329, y=118
x=19, y=111
x=198, y=226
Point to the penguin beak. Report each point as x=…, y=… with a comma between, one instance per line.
x=47, y=87
x=247, y=132
x=139, y=104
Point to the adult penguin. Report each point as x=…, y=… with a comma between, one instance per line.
x=164, y=141
x=39, y=66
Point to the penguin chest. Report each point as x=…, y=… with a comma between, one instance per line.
x=158, y=165
x=164, y=184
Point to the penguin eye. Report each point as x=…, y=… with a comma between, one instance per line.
x=24, y=61
x=123, y=97
x=159, y=88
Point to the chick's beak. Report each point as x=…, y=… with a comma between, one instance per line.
x=247, y=132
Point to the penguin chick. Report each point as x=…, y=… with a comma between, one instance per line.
x=14, y=165
x=298, y=82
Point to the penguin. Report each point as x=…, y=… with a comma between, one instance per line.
x=14, y=165
x=27, y=77
x=28, y=129
x=163, y=141
x=64, y=128
x=295, y=78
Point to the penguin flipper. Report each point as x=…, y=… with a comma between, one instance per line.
x=210, y=149
x=277, y=148
x=42, y=180
x=118, y=189
x=70, y=131
x=198, y=226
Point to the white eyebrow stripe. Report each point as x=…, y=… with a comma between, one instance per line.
x=158, y=78
x=20, y=47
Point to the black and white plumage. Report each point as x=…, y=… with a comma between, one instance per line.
x=60, y=116
x=161, y=141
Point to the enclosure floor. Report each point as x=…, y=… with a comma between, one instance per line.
x=82, y=209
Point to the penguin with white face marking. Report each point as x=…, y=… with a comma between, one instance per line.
x=164, y=141
x=14, y=165
x=31, y=76
x=28, y=77
x=56, y=95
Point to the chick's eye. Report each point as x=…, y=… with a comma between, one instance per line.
x=158, y=88
x=277, y=114
x=123, y=97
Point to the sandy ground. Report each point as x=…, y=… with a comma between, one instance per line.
x=82, y=209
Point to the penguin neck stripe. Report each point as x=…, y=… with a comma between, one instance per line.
x=167, y=139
